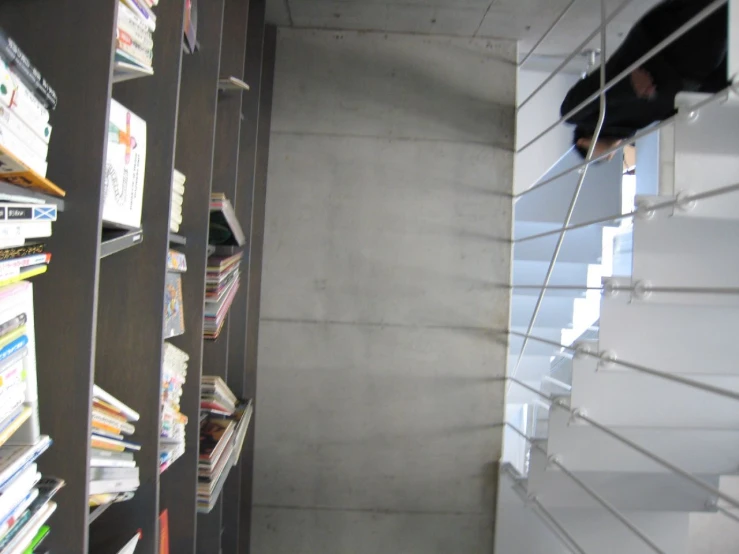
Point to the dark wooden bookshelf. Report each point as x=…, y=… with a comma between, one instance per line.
x=100, y=308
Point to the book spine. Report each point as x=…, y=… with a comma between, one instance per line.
x=12, y=399
x=39, y=145
x=11, y=377
x=9, y=519
x=26, y=274
x=114, y=473
x=113, y=401
x=25, y=155
x=111, y=462
x=26, y=71
x=134, y=26
x=26, y=229
x=12, y=253
x=18, y=488
x=126, y=44
x=143, y=11
x=16, y=424
x=17, y=264
x=15, y=212
x=112, y=425
x=112, y=485
x=13, y=347
x=20, y=99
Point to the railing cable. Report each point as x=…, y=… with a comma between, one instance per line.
x=547, y=33
x=576, y=194
x=687, y=199
x=704, y=14
x=610, y=508
x=640, y=368
x=575, y=53
x=719, y=96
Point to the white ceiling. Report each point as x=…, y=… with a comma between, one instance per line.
x=523, y=20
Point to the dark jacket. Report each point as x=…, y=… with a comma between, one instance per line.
x=695, y=62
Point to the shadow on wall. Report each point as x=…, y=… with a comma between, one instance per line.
x=399, y=87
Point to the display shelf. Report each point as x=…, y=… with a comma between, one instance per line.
x=102, y=318
x=116, y=241
x=178, y=240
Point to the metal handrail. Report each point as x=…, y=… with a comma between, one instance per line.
x=687, y=199
x=704, y=14
x=640, y=368
x=547, y=33
x=581, y=181
x=719, y=96
x=592, y=493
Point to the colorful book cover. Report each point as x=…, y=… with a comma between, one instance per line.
x=123, y=186
x=174, y=317
x=176, y=261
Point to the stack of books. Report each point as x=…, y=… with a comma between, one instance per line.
x=114, y=476
x=221, y=284
x=215, y=396
x=225, y=229
x=172, y=437
x=25, y=497
x=25, y=213
x=223, y=426
x=134, y=53
x=178, y=198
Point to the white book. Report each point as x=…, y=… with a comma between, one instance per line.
x=99, y=393
x=114, y=473
x=24, y=230
x=176, y=218
x=9, y=518
x=177, y=200
x=22, y=303
x=113, y=485
x=13, y=144
x=174, y=226
x=18, y=488
x=40, y=146
x=19, y=98
x=110, y=462
x=14, y=458
x=123, y=187
x=179, y=188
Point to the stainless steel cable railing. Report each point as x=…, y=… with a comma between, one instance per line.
x=612, y=287
x=581, y=181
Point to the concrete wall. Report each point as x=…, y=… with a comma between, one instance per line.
x=388, y=209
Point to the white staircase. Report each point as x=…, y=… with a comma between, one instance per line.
x=672, y=306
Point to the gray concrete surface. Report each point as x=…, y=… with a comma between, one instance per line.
x=388, y=209
x=522, y=20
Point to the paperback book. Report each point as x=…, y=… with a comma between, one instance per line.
x=123, y=185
